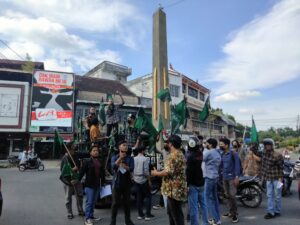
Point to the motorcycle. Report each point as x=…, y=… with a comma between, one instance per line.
x=32, y=164
x=288, y=171
x=13, y=159
x=249, y=192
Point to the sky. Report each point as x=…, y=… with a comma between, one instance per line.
x=246, y=52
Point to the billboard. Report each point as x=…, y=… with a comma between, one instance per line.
x=52, y=101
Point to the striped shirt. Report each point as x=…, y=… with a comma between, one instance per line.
x=272, y=165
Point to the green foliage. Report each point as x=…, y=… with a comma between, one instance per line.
x=28, y=66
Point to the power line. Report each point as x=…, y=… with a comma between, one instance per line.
x=173, y=4
x=11, y=49
x=3, y=56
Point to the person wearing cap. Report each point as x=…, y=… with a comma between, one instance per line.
x=93, y=169
x=141, y=177
x=132, y=134
x=112, y=114
x=272, y=173
x=174, y=184
x=122, y=165
x=195, y=182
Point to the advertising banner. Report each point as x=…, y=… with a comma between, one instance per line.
x=52, y=101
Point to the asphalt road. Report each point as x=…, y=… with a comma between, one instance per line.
x=37, y=198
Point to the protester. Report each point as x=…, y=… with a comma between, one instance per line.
x=195, y=182
x=141, y=176
x=212, y=160
x=122, y=165
x=240, y=150
x=272, y=173
x=112, y=114
x=87, y=122
x=252, y=163
x=174, y=184
x=74, y=186
x=132, y=135
x=231, y=171
x=93, y=170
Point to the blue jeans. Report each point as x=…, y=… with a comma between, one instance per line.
x=211, y=198
x=273, y=197
x=91, y=195
x=196, y=197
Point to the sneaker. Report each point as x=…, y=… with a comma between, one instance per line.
x=226, y=215
x=211, y=221
x=96, y=219
x=234, y=219
x=70, y=216
x=129, y=223
x=269, y=216
x=149, y=217
x=277, y=214
x=156, y=207
x=141, y=217
x=88, y=222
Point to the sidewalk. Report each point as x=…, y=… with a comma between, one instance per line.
x=51, y=163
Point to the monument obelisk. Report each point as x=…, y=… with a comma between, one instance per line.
x=160, y=76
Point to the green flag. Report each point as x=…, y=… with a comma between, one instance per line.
x=254, y=134
x=58, y=144
x=179, y=116
x=160, y=124
x=101, y=115
x=109, y=97
x=164, y=95
x=205, y=111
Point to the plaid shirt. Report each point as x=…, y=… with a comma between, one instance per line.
x=272, y=166
x=114, y=118
x=131, y=136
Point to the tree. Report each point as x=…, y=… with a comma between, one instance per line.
x=28, y=66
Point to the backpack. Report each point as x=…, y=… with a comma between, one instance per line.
x=233, y=159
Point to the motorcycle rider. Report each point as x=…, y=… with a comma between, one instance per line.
x=272, y=173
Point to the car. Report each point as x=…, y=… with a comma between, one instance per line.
x=1, y=199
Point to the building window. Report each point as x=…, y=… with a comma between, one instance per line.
x=202, y=96
x=174, y=90
x=193, y=92
x=183, y=88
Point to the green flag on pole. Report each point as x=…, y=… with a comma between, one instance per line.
x=57, y=144
x=254, y=134
x=205, y=111
x=101, y=115
x=160, y=124
x=179, y=116
x=164, y=95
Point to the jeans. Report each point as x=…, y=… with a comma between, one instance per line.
x=196, y=197
x=230, y=192
x=174, y=210
x=77, y=190
x=143, y=192
x=273, y=197
x=211, y=198
x=90, y=201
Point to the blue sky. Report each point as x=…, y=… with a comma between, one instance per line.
x=246, y=52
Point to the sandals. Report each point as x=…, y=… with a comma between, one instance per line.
x=70, y=216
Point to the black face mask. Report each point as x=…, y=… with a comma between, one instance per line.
x=235, y=146
x=129, y=121
x=166, y=147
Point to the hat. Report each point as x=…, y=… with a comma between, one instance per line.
x=193, y=144
x=175, y=140
x=132, y=116
x=122, y=142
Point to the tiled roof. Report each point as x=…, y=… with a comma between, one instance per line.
x=84, y=83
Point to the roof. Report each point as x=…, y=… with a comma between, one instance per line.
x=15, y=75
x=17, y=64
x=99, y=85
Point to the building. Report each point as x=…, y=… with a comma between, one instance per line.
x=15, y=101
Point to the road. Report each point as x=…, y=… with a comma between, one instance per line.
x=37, y=198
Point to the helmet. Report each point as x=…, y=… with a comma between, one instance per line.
x=193, y=144
x=268, y=141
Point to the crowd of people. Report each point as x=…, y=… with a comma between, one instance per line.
x=190, y=174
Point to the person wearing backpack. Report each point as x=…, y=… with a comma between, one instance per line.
x=231, y=167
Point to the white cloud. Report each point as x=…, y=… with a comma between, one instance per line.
x=251, y=111
x=263, y=53
x=235, y=96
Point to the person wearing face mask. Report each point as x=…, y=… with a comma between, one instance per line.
x=132, y=135
x=231, y=168
x=241, y=151
x=112, y=114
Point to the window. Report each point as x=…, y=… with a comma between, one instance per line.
x=174, y=90
x=183, y=88
x=202, y=96
x=193, y=92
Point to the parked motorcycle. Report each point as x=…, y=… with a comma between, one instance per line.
x=32, y=164
x=249, y=192
x=13, y=159
x=288, y=171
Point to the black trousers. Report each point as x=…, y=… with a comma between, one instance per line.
x=174, y=210
x=120, y=196
x=143, y=193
